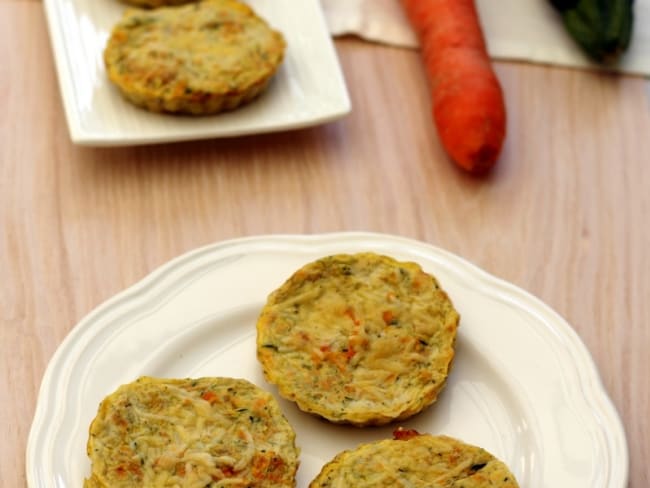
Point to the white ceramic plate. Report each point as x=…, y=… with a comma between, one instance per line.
x=308, y=89
x=523, y=385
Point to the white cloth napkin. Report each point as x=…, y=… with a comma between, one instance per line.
x=524, y=30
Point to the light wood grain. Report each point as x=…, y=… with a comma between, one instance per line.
x=565, y=214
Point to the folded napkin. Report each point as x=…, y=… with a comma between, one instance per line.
x=524, y=30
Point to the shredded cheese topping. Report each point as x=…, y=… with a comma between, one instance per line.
x=362, y=338
x=205, y=432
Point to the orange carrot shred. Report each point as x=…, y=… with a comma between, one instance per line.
x=209, y=396
x=388, y=317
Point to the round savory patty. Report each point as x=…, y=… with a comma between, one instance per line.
x=358, y=338
x=417, y=461
x=199, y=58
x=191, y=433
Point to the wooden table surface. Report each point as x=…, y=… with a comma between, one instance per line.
x=565, y=215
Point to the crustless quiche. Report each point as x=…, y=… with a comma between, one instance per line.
x=200, y=58
x=205, y=432
x=360, y=339
x=416, y=461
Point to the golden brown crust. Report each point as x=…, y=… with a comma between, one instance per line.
x=360, y=339
x=202, y=58
x=419, y=461
x=159, y=433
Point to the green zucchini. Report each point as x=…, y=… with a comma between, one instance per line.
x=603, y=28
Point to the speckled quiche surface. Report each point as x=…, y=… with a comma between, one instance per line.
x=201, y=58
x=205, y=432
x=416, y=461
x=359, y=338
x=156, y=3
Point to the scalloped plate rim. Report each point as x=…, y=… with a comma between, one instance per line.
x=162, y=278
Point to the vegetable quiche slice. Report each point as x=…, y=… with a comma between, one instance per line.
x=418, y=461
x=201, y=58
x=360, y=338
x=205, y=432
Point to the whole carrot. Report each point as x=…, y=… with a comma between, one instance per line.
x=468, y=106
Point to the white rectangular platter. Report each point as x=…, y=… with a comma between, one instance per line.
x=308, y=89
